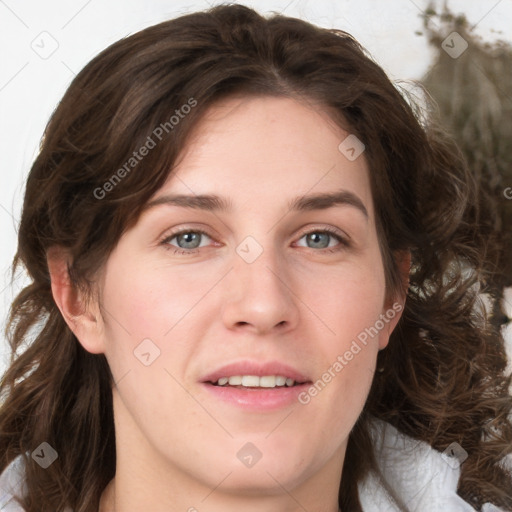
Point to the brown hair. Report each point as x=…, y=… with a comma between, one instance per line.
x=443, y=371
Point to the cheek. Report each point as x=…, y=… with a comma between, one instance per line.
x=147, y=300
x=347, y=301
x=144, y=299
x=133, y=312
x=143, y=307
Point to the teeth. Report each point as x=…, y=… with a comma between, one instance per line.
x=267, y=381
x=253, y=381
x=250, y=381
x=280, y=381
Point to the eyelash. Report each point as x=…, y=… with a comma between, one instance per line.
x=343, y=243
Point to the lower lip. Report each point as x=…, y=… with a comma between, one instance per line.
x=257, y=399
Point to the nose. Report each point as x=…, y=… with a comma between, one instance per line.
x=260, y=295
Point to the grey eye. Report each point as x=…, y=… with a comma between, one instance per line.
x=190, y=239
x=319, y=240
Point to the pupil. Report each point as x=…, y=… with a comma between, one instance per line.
x=189, y=238
x=314, y=237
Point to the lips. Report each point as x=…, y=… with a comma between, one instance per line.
x=258, y=369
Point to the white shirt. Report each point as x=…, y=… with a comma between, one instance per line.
x=423, y=479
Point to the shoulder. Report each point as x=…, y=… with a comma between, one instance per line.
x=412, y=473
x=12, y=484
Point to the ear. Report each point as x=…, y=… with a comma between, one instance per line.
x=82, y=317
x=394, y=306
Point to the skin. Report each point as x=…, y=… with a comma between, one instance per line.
x=297, y=303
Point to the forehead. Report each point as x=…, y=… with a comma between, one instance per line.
x=271, y=126
x=272, y=147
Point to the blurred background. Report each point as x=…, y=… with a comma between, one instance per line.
x=461, y=50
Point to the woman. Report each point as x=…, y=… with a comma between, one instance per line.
x=250, y=288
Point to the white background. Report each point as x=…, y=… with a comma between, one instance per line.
x=31, y=86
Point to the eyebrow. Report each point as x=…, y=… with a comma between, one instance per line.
x=214, y=203
x=328, y=200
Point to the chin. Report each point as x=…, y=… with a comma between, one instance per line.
x=265, y=481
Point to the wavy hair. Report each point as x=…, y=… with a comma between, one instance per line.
x=442, y=377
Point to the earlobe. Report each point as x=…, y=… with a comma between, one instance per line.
x=403, y=259
x=80, y=316
x=64, y=294
x=394, y=308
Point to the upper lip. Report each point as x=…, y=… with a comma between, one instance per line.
x=256, y=368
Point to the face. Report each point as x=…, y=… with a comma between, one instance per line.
x=262, y=281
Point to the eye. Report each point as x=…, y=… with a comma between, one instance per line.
x=187, y=240
x=319, y=239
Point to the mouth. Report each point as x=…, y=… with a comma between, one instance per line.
x=256, y=382
x=255, y=386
